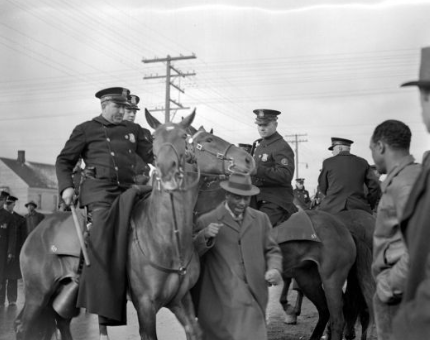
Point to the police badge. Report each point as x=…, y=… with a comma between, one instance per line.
x=132, y=138
x=264, y=157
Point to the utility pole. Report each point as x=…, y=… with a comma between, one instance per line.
x=296, y=140
x=168, y=76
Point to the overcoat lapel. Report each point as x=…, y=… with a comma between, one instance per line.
x=248, y=219
x=225, y=217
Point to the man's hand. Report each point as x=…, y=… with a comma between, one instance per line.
x=212, y=230
x=273, y=277
x=10, y=258
x=67, y=195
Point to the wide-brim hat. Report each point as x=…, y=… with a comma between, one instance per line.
x=266, y=115
x=11, y=199
x=240, y=184
x=31, y=203
x=4, y=194
x=424, y=74
x=339, y=141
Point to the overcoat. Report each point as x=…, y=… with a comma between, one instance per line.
x=274, y=160
x=7, y=241
x=32, y=220
x=111, y=151
x=412, y=321
x=233, y=291
x=19, y=228
x=343, y=180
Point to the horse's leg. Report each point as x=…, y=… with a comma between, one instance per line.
x=146, y=314
x=311, y=285
x=63, y=326
x=290, y=315
x=103, y=332
x=299, y=301
x=184, y=311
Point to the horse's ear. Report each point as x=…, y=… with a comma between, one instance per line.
x=188, y=120
x=201, y=128
x=211, y=131
x=152, y=121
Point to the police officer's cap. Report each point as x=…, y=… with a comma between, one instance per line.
x=117, y=95
x=339, y=141
x=4, y=194
x=11, y=199
x=133, y=100
x=300, y=180
x=264, y=116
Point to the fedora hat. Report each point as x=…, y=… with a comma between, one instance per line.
x=32, y=203
x=424, y=75
x=240, y=184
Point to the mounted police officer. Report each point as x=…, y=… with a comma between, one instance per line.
x=345, y=178
x=109, y=145
x=301, y=195
x=274, y=172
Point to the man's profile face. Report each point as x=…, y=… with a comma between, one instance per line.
x=299, y=185
x=267, y=129
x=113, y=112
x=130, y=114
x=237, y=203
x=377, y=156
x=30, y=208
x=425, y=106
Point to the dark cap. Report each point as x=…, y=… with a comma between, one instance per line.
x=4, y=194
x=339, y=141
x=117, y=95
x=11, y=199
x=240, y=184
x=300, y=180
x=31, y=203
x=424, y=75
x=265, y=115
x=246, y=147
x=133, y=100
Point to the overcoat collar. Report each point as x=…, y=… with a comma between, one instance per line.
x=395, y=171
x=271, y=139
x=225, y=217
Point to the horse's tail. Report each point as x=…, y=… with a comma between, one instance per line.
x=360, y=287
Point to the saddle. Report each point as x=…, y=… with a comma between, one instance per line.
x=298, y=227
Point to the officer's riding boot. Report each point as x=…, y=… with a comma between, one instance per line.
x=65, y=302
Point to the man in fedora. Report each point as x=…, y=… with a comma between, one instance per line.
x=347, y=181
x=108, y=145
x=33, y=217
x=412, y=321
x=239, y=259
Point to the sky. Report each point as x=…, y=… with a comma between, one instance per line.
x=333, y=68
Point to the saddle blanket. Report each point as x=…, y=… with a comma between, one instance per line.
x=298, y=227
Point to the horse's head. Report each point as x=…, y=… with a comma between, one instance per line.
x=216, y=156
x=169, y=146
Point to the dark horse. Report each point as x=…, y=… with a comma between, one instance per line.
x=45, y=273
x=321, y=269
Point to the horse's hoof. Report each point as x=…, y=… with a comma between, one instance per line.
x=290, y=319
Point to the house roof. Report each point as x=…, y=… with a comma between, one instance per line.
x=36, y=175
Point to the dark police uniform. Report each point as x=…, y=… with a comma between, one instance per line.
x=302, y=196
x=274, y=160
x=7, y=241
x=111, y=150
x=343, y=179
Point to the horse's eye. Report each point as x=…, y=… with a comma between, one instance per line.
x=209, y=140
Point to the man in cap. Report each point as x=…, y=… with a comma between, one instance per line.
x=7, y=240
x=13, y=271
x=344, y=180
x=131, y=108
x=390, y=144
x=274, y=160
x=301, y=195
x=412, y=321
x=239, y=259
x=33, y=217
x=109, y=145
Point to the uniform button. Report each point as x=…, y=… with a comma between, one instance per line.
x=116, y=168
x=132, y=165
x=112, y=153
x=129, y=151
x=126, y=136
x=118, y=182
x=108, y=139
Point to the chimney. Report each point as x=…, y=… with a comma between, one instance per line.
x=21, y=157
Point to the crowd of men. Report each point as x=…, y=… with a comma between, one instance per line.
x=240, y=255
x=14, y=229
